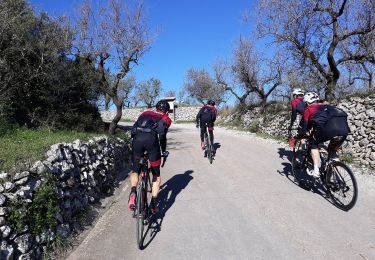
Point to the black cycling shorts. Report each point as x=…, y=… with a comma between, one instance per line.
x=208, y=124
x=336, y=126
x=149, y=142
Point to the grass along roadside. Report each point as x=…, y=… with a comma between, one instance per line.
x=22, y=147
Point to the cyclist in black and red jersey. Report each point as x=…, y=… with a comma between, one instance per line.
x=298, y=106
x=205, y=119
x=149, y=134
x=328, y=123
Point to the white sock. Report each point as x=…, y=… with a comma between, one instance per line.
x=316, y=168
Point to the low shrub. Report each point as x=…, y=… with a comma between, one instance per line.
x=40, y=213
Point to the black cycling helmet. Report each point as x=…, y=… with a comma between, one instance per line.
x=163, y=105
x=210, y=102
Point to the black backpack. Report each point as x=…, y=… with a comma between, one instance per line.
x=323, y=116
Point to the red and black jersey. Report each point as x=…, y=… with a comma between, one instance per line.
x=207, y=114
x=314, y=116
x=155, y=121
x=152, y=123
x=298, y=106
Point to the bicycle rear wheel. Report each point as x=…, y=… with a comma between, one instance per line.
x=209, y=150
x=342, y=186
x=205, y=145
x=140, y=216
x=298, y=162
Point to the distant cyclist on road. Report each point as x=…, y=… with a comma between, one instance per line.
x=149, y=134
x=327, y=123
x=205, y=119
x=298, y=106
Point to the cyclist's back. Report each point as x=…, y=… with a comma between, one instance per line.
x=326, y=122
x=298, y=106
x=205, y=119
x=149, y=134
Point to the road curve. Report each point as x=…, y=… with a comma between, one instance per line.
x=242, y=206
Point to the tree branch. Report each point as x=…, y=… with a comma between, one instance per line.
x=361, y=31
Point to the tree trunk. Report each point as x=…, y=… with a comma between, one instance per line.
x=370, y=82
x=330, y=88
x=107, y=102
x=242, y=101
x=263, y=102
x=119, y=103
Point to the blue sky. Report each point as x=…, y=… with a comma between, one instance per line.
x=194, y=34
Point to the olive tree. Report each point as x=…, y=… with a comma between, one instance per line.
x=113, y=36
x=313, y=32
x=249, y=72
x=148, y=91
x=201, y=86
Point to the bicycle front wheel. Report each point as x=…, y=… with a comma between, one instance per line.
x=342, y=186
x=140, y=217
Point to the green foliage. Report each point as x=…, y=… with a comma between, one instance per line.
x=347, y=158
x=56, y=249
x=122, y=135
x=254, y=127
x=275, y=107
x=39, y=84
x=43, y=208
x=18, y=216
x=21, y=147
x=40, y=213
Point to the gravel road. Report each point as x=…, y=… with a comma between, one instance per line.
x=242, y=206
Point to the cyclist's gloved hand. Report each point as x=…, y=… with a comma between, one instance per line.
x=165, y=154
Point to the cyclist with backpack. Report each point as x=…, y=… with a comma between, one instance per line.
x=326, y=123
x=298, y=106
x=205, y=119
x=149, y=134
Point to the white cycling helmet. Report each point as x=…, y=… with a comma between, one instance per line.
x=311, y=97
x=297, y=91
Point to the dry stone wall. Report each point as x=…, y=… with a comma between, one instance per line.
x=81, y=172
x=361, y=118
x=183, y=114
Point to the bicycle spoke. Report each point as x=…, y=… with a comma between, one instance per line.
x=343, y=186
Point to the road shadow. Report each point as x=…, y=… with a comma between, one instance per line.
x=216, y=146
x=287, y=170
x=166, y=198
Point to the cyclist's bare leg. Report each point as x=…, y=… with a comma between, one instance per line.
x=316, y=159
x=133, y=179
x=156, y=187
x=203, y=131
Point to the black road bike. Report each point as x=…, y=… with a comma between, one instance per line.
x=209, y=149
x=142, y=211
x=335, y=176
